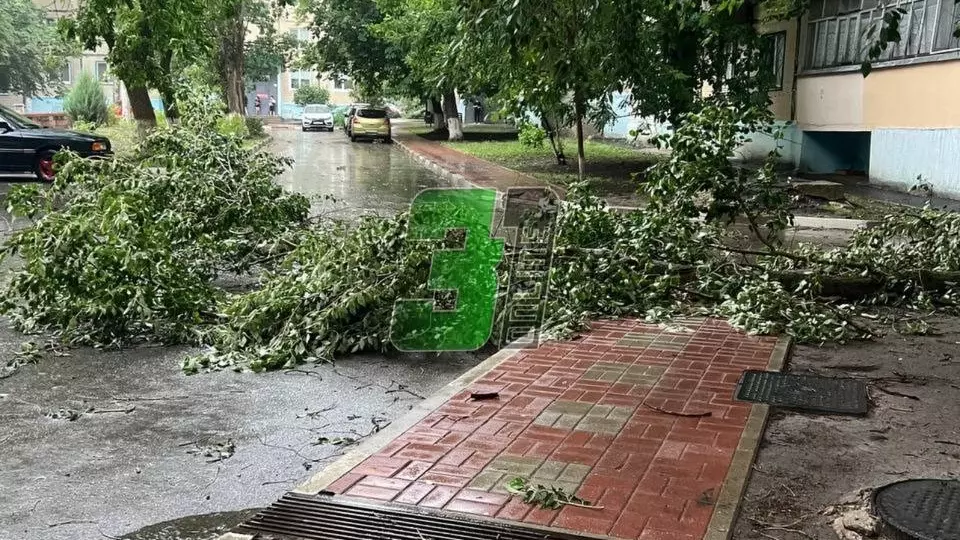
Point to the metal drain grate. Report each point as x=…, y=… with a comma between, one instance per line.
x=921, y=509
x=340, y=518
x=804, y=392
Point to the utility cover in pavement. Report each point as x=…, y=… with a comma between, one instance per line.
x=921, y=509
x=804, y=392
x=340, y=518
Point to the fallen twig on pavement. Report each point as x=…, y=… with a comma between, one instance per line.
x=895, y=393
x=128, y=410
x=675, y=413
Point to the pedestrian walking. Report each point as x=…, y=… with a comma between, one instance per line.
x=477, y=112
x=256, y=104
x=273, y=106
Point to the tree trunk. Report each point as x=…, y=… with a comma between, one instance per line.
x=555, y=141
x=167, y=93
x=578, y=112
x=231, y=58
x=170, y=111
x=437, y=110
x=454, y=125
x=141, y=108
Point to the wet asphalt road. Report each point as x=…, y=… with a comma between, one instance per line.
x=134, y=466
x=365, y=177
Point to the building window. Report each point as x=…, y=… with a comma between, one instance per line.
x=342, y=83
x=102, y=71
x=66, y=73
x=836, y=31
x=301, y=78
x=775, y=50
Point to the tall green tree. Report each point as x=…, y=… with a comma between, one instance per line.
x=146, y=41
x=267, y=55
x=564, y=59
x=347, y=45
x=32, y=53
x=422, y=32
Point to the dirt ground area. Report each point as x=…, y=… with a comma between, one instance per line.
x=809, y=465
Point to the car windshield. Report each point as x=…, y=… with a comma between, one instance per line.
x=316, y=109
x=372, y=113
x=16, y=119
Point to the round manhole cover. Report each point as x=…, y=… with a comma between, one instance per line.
x=921, y=509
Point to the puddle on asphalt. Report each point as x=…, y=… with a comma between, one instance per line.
x=202, y=527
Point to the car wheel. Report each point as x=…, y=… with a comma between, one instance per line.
x=44, y=167
x=388, y=140
x=353, y=138
x=303, y=128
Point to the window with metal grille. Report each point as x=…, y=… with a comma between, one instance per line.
x=775, y=51
x=836, y=30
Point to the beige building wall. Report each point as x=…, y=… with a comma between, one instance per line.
x=290, y=23
x=918, y=96
x=921, y=96
x=831, y=102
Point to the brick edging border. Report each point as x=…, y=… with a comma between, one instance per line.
x=727, y=507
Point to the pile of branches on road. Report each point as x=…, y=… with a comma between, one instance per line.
x=334, y=294
x=129, y=249
x=126, y=249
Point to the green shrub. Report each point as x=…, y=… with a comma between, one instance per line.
x=339, y=118
x=255, y=127
x=311, y=94
x=87, y=102
x=531, y=136
x=232, y=125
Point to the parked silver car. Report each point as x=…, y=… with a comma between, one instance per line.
x=317, y=117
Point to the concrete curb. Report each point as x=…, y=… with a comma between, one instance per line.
x=727, y=507
x=456, y=179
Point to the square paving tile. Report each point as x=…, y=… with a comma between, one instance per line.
x=579, y=416
x=501, y=471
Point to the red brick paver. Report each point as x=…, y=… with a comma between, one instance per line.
x=602, y=416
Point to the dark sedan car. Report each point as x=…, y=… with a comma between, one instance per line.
x=27, y=147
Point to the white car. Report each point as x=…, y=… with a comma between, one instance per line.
x=317, y=117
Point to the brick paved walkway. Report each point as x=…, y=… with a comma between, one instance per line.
x=474, y=170
x=600, y=417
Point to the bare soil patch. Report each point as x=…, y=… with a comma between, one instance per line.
x=809, y=464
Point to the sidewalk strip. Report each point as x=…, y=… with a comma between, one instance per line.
x=636, y=418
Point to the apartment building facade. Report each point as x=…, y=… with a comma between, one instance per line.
x=899, y=125
x=289, y=80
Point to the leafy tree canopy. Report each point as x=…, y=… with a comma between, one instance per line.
x=311, y=94
x=31, y=52
x=347, y=45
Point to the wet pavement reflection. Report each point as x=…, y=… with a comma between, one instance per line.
x=365, y=177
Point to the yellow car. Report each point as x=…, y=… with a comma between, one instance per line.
x=369, y=123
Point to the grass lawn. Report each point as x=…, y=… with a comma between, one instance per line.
x=123, y=136
x=613, y=169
